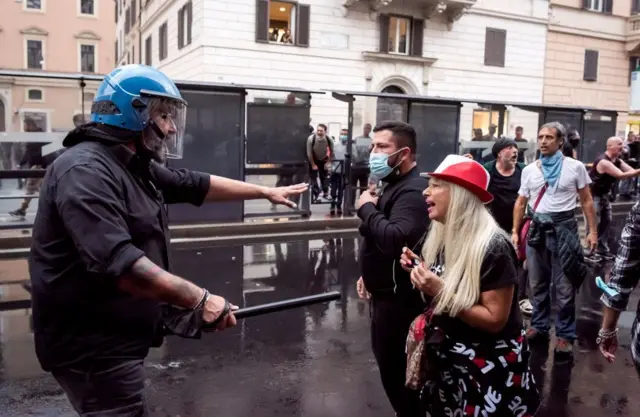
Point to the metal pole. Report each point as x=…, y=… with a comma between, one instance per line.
x=82, y=86
x=346, y=201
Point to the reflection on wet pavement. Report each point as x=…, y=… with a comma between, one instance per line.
x=314, y=361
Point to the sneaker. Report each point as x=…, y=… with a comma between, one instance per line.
x=339, y=212
x=564, y=347
x=593, y=258
x=608, y=256
x=18, y=213
x=332, y=213
x=525, y=307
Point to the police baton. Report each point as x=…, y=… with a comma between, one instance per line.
x=289, y=304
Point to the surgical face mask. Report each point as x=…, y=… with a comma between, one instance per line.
x=343, y=139
x=379, y=165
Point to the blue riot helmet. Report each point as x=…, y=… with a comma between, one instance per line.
x=142, y=99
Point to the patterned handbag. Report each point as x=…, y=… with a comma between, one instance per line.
x=417, y=363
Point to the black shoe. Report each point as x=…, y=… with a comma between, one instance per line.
x=332, y=212
x=18, y=213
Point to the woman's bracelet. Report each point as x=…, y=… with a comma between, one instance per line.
x=604, y=335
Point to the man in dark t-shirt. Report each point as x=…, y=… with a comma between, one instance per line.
x=505, y=174
x=504, y=183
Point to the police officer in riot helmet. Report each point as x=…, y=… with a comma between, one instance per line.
x=102, y=294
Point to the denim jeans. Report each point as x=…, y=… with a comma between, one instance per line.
x=602, y=206
x=545, y=269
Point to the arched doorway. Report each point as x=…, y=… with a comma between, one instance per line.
x=392, y=108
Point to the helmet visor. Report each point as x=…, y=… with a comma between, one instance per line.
x=164, y=132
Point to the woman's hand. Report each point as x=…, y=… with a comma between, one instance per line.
x=426, y=281
x=407, y=259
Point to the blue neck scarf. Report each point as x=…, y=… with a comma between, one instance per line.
x=551, y=167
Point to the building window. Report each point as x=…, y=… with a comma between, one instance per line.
x=40, y=118
x=282, y=20
x=635, y=8
x=147, y=51
x=495, y=47
x=164, y=44
x=134, y=15
x=285, y=23
x=127, y=22
x=87, y=58
x=34, y=94
x=117, y=9
x=35, y=59
x=115, y=59
x=483, y=119
x=33, y=4
x=602, y=6
x=590, y=65
x=401, y=35
x=87, y=7
x=185, y=17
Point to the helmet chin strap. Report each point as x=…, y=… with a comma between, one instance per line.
x=157, y=129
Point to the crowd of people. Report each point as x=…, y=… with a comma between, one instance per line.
x=446, y=288
x=443, y=256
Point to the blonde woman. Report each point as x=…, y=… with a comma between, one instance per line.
x=474, y=350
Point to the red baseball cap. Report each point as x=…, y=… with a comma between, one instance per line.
x=466, y=173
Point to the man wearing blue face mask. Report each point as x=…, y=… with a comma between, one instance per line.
x=394, y=219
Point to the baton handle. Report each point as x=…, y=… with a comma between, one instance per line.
x=289, y=304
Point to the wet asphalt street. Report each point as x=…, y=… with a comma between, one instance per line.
x=314, y=361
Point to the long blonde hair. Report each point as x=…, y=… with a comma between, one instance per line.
x=465, y=236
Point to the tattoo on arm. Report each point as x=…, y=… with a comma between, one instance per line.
x=146, y=279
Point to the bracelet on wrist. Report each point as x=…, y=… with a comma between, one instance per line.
x=604, y=335
x=202, y=300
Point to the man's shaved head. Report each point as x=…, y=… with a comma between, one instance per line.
x=614, y=146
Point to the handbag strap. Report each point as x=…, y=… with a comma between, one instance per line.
x=544, y=189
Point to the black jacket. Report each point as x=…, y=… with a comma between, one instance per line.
x=399, y=219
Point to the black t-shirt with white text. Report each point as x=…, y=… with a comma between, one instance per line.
x=498, y=271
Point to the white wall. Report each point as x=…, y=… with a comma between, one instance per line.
x=224, y=50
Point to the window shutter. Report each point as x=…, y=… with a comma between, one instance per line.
x=304, y=25
x=417, y=35
x=262, y=21
x=189, y=21
x=607, y=6
x=495, y=44
x=181, y=28
x=590, y=65
x=632, y=66
x=384, y=33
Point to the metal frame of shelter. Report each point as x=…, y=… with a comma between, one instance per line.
x=304, y=209
x=546, y=113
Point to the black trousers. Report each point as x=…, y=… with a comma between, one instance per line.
x=391, y=317
x=337, y=190
x=359, y=179
x=105, y=388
